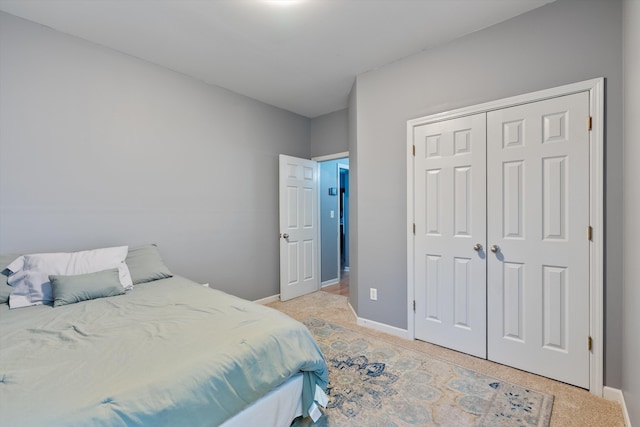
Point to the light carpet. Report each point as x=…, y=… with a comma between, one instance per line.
x=378, y=383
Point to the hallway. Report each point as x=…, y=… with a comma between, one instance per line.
x=340, y=288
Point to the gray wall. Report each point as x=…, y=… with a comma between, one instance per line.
x=353, y=197
x=99, y=148
x=631, y=320
x=563, y=42
x=330, y=133
x=329, y=226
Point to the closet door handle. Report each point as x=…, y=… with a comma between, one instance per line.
x=285, y=235
x=495, y=249
x=477, y=247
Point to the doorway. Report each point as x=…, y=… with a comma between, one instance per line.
x=334, y=223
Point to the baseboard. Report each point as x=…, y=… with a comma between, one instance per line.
x=352, y=310
x=382, y=327
x=329, y=282
x=268, y=300
x=616, y=395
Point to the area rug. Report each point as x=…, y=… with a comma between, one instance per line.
x=374, y=383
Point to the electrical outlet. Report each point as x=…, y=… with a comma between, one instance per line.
x=373, y=294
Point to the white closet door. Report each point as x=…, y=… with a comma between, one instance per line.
x=538, y=214
x=450, y=276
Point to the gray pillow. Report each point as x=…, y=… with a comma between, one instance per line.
x=5, y=289
x=83, y=287
x=146, y=265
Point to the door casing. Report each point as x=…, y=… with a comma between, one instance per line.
x=595, y=87
x=341, y=167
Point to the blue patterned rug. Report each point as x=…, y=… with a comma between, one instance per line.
x=374, y=383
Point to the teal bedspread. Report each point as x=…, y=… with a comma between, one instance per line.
x=168, y=353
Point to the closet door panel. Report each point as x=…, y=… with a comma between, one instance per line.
x=450, y=215
x=538, y=214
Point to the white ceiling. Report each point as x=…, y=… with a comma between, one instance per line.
x=301, y=55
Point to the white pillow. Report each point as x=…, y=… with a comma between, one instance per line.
x=30, y=273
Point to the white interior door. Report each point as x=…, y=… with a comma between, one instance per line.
x=538, y=215
x=450, y=233
x=299, y=272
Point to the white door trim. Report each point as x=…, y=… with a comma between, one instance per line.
x=335, y=156
x=341, y=166
x=595, y=87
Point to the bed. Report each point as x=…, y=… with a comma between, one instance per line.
x=168, y=352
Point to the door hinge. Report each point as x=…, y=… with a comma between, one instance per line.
x=414, y=228
x=589, y=343
x=414, y=151
x=414, y=305
x=589, y=123
x=590, y=233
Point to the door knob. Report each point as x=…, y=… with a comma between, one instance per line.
x=495, y=248
x=285, y=235
x=477, y=247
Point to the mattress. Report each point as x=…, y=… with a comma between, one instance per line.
x=169, y=352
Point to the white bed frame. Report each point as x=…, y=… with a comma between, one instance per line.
x=277, y=408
